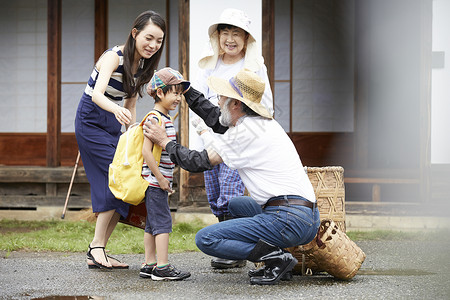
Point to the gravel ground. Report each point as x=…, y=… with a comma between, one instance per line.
x=392, y=270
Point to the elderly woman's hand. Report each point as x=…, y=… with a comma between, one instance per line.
x=199, y=125
x=156, y=133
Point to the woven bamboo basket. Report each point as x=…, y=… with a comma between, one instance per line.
x=333, y=251
x=328, y=184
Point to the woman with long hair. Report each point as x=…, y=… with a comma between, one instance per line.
x=119, y=76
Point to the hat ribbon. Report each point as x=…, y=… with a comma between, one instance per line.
x=236, y=88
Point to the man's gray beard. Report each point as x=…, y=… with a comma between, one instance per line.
x=225, y=116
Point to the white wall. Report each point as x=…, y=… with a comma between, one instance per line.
x=23, y=65
x=322, y=66
x=281, y=85
x=77, y=56
x=440, y=95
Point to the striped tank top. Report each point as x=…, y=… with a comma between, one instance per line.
x=166, y=166
x=114, y=90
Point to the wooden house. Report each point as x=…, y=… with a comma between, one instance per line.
x=353, y=83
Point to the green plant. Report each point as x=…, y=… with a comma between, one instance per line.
x=65, y=236
x=390, y=235
x=71, y=236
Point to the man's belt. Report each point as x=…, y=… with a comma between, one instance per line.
x=288, y=200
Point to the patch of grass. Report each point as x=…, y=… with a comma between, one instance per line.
x=185, y=233
x=66, y=236
x=390, y=235
x=6, y=225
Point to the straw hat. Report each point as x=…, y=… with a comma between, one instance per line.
x=246, y=86
x=235, y=17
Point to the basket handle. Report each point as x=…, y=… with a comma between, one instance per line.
x=321, y=231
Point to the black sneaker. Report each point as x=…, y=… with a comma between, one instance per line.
x=222, y=263
x=169, y=272
x=146, y=270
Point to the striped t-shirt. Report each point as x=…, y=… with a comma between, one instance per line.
x=114, y=90
x=166, y=166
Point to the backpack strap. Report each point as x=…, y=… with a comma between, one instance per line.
x=157, y=150
x=156, y=113
x=146, y=116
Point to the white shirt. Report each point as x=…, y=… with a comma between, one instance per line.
x=265, y=158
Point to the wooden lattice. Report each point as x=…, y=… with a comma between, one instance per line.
x=328, y=184
x=331, y=251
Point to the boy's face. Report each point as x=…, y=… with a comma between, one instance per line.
x=171, y=99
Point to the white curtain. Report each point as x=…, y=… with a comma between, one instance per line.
x=23, y=65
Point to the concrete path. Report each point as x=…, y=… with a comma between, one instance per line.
x=392, y=270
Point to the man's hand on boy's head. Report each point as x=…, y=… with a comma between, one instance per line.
x=156, y=133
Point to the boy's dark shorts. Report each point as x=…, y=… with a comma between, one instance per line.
x=159, y=219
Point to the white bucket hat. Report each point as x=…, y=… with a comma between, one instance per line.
x=235, y=17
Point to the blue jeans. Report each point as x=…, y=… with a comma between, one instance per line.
x=282, y=226
x=159, y=219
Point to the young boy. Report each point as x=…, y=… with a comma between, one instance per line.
x=166, y=87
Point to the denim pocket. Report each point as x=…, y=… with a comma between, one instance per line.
x=85, y=108
x=301, y=216
x=299, y=227
x=111, y=124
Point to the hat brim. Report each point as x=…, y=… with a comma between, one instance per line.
x=185, y=84
x=223, y=88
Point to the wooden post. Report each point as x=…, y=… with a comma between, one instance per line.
x=291, y=62
x=183, y=54
x=54, y=83
x=268, y=39
x=101, y=28
x=167, y=40
x=376, y=192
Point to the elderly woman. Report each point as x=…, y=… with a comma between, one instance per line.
x=232, y=47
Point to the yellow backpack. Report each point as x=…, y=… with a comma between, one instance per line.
x=125, y=179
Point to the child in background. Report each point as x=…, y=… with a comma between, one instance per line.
x=166, y=87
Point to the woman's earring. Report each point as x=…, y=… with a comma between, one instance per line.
x=141, y=63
